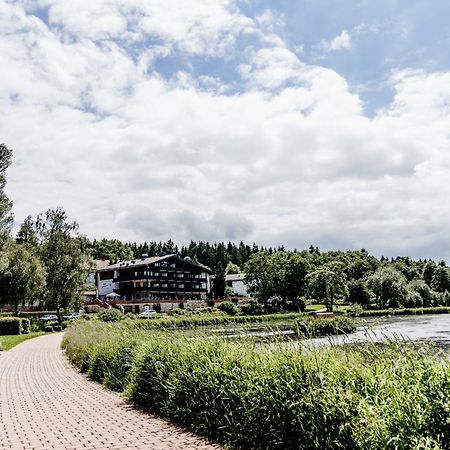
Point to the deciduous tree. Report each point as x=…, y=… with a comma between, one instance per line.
x=22, y=276
x=66, y=264
x=328, y=283
x=5, y=204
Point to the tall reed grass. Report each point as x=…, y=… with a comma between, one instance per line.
x=394, y=396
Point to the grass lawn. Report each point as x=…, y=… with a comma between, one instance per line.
x=8, y=342
x=319, y=306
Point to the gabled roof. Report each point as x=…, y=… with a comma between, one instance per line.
x=139, y=262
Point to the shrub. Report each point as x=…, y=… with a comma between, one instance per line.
x=110, y=315
x=298, y=304
x=211, y=303
x=10, y=326
x=57, y=328
x=253, y=308
x=157, y=307
x=48, y=329
x=229, y=308
x=34, y=314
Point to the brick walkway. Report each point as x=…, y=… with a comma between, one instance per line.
x=46, y=404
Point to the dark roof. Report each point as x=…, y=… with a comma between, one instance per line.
x=139, y=262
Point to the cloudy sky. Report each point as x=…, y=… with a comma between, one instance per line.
x=274, y=121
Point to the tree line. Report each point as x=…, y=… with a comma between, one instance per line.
x=289, y=279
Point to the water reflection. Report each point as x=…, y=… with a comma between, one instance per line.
x=426, y=328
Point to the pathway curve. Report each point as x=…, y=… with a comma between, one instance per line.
x=46, y=404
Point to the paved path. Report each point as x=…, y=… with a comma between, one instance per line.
x=46, y=404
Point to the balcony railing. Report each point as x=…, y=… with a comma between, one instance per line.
x=170, y=276
x=169, y=288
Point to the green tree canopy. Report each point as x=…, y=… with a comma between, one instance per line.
x=27, y=232
x=66, y=264
x=328, y=283
x=22, y=276
x=232, y=268
x=111, y=249
x=292, y=271
x=388, y=287
x=262, y=276
x=5, y=204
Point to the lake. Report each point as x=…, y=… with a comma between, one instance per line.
x=423, y=328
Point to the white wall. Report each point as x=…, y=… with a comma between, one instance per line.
x=105, y=287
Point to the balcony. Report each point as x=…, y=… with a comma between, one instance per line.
x=168, y=289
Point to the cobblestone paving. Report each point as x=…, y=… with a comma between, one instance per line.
x=46, y=404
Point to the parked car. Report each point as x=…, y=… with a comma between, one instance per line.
x=49, y=318
x=71, y=316
x=148, y=312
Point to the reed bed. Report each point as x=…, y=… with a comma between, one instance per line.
x=249, y=396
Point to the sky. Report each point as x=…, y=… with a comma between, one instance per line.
x=280, y=122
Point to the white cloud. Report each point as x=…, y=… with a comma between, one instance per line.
x=289, y=159
x=341, y=42
x=196, y=27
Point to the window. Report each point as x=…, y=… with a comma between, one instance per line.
x=181, y=286
x=180, y=275
x=164, y=285
x=172, y=265
x=164, y=274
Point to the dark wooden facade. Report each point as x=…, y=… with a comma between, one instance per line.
x=158, y=278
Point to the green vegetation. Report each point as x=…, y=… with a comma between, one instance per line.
x=376, y=397
x=309, y=327
x=14, y=326
x=185, y=321
x=403, y=311
x=8, y=342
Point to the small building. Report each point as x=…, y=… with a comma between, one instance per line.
x=236, y=281
x=140, y=283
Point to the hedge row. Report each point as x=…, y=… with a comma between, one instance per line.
x=27, y=314
x=253, y=397
x=14, y=326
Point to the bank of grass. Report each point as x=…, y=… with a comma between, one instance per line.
x=8, y=342
x=195, y=321
x=310, y=327
x=402, y=311
x=393, y=396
